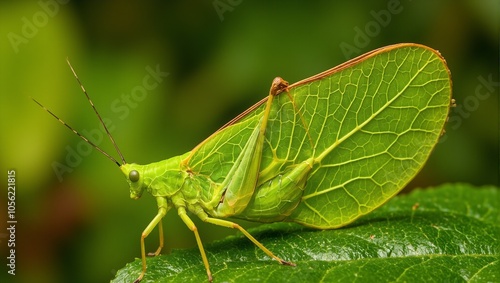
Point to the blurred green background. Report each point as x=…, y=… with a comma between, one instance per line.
x=221, y=57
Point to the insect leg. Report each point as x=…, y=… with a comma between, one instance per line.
x=160, y=247
x=162, y=210
x=229, y=224
x=240, y=182
x=182, y=214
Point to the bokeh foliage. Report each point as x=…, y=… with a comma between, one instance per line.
x=218, y=65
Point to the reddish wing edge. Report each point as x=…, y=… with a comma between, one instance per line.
x=319, y=76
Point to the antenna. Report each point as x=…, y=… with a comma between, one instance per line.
x=77, y=133
x=100, y=120
x=97, y=113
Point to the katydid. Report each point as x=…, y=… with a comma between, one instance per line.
x=320, y=152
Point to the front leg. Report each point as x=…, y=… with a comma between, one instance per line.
x=160, y=247
x=163, y=207
x=189, y=223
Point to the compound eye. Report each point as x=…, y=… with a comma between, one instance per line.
x=133, y=176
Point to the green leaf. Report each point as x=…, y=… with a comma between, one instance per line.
x=444, y=234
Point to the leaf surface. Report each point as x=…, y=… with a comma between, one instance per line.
x=444, y=234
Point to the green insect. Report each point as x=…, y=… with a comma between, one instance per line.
x=320, y=152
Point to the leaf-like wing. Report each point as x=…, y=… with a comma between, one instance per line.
x=373, y=124
x=369, y=124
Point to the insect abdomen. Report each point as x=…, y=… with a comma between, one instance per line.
x=275, y=199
